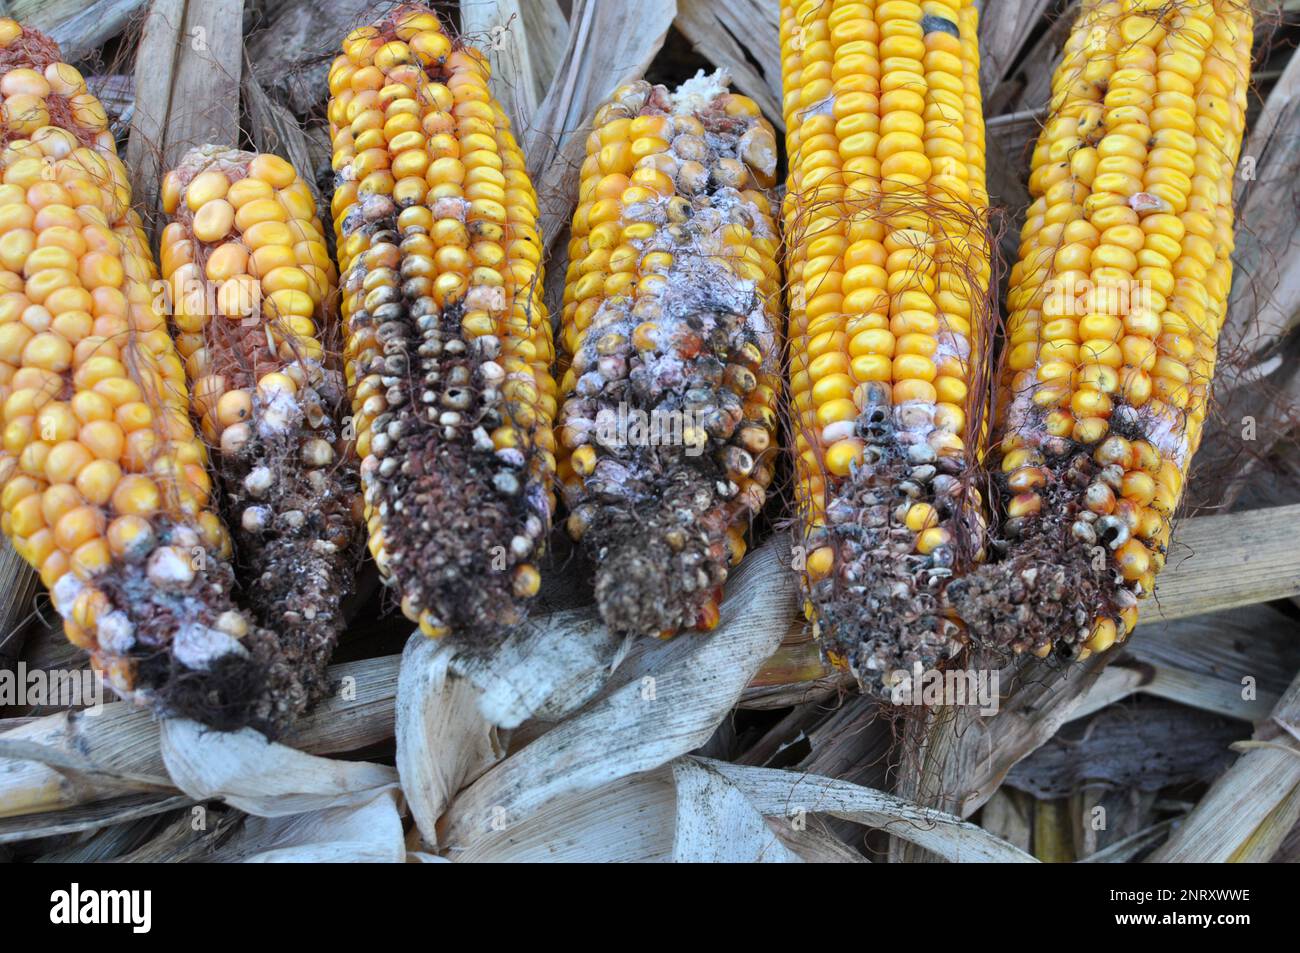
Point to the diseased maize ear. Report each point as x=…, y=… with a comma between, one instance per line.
x=671, y=304
x=253, y=295
x=105, y=489
x=1115, y=304
x=448, y=346
x=886, y=219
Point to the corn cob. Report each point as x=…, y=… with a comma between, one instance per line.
x=105, y=489
x=448, y=348
x=1115, y=307
x=253, y=292
x=888, y=268
x=671, y=303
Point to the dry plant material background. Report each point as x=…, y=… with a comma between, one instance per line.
x=556, y=740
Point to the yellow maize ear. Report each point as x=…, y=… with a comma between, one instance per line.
x=448, y=346
x=1116, y=304
x=888, y=263
x=253, y=295
x=105, y=489
x=671, y=304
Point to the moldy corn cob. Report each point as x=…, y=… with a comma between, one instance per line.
x=448, y=348
x=1115, y=307
x=253, y=293
x=888, y=267
x=671, y=303
x=105, y=489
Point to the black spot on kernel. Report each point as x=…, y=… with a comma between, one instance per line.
x=935, y=24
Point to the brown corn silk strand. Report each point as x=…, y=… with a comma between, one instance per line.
x=888, y=265
x=448, y=347
x=1115, y=308
x=105, y=489
x=671, y=305
x=254, y=291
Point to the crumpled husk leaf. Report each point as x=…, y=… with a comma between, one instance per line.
x=262, y=777
x=701, y=810
x=74, y=758
x=443, y=740
x=627, y=821
x=776, y=793
x=716, y=823
x=367, y=832
x=543, y=670
x=662, y=702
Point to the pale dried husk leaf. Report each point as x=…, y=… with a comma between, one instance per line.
x=76, y=758
x=782, y=794
x=661, y=703
x=443, y=740
x=261, y=777
x=367, y=832
x=716, y=823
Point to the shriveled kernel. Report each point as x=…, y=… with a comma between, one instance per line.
x=660, y=207
x=1115, y=308
x=444, y=324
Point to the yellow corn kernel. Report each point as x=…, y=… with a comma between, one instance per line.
x=1132, y=179
x=426, y=149
x=623, y=265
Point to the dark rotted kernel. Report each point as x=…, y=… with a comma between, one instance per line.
x=713, y=358
x=389, y=312
x=456, y=398
x=390, y=331
x=930, y=23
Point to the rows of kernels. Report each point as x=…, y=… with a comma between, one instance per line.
x=254, y=302
x=815, y=205
x=1132, y=182
x=955, y=147
x=1077, y=89
x=663, y=202
x=1220, y=118
x=418, y=139
x=885, y=244
x=972, y=106
x=100, y=465
x=528, y=352
x=27, y=94
x=244, y=248
x=93, y=391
